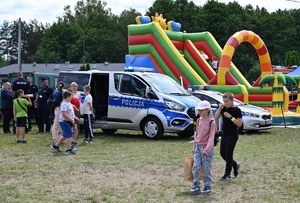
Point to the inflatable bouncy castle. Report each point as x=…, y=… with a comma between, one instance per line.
x=162, y=47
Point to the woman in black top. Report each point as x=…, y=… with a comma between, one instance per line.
x=232, y=119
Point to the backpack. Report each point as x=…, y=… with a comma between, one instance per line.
x=218, y=134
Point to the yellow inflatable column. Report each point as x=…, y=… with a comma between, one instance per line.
x=298, y=98
x=277, y=96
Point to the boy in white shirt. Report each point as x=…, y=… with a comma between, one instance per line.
x=87, y=115
x=67, y=120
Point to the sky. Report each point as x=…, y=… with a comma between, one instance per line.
x=47, y=11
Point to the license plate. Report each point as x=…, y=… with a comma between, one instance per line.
x=269, y=121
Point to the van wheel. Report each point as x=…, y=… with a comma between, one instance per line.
x=152, y=128
x=109, y=131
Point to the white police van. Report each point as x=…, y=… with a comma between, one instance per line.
x=151, y=102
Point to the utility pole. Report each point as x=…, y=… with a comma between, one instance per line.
x=83, y=51
x=19, y=47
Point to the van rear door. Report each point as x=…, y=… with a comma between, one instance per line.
x=128, y=103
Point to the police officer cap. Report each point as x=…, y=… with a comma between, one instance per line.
x=43, y=79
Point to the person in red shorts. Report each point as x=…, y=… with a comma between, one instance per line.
x=75, y=101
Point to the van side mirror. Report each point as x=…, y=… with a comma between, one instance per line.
x=150, y=94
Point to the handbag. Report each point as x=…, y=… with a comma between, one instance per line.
x=187, y=169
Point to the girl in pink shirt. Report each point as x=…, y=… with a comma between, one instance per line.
x=203, y=147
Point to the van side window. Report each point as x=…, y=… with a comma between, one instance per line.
x=80, y=79
x=139, y=88
x=128, y=85
x=123, y=84
x=117, y=81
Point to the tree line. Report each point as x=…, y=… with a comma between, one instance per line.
x=92, y=33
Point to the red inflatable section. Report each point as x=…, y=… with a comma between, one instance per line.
x=229, y=79
x=150, y=39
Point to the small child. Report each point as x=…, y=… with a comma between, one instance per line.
x=203, y=147
x=67, y=120
x=87, y=115
x=20, y=106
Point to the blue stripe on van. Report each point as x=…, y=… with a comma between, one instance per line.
x=140, y=103
x=129, y=102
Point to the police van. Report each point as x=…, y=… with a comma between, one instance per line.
x=151, y=102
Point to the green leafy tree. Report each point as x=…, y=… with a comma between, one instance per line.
x=58, y=41
x=87, y=66
x=3, y=62
x=31, y=36
x=292, y=58
x=97, y=43
x=184, y=12
x=45, y=56
x=253, y=73
x=82, y=68
x=5, y=38
x=165, y=7
x=127, y=17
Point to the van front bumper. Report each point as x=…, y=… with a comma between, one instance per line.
x=186, y=129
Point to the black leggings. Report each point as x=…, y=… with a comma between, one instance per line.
x=226, y=151
x=87, y=123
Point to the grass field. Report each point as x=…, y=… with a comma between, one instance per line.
x=127, y=168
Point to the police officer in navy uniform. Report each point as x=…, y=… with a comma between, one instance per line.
x=43, y=115
x=23, y=84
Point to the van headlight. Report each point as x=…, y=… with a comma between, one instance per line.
x=174, y=105
x=250, y=114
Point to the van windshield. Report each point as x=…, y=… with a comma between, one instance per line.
x=80, y=79
x=165, y=84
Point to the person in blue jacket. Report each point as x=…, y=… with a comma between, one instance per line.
x=7, y=96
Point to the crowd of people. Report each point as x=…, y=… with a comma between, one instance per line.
x=22, y=101
x=67, y=105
